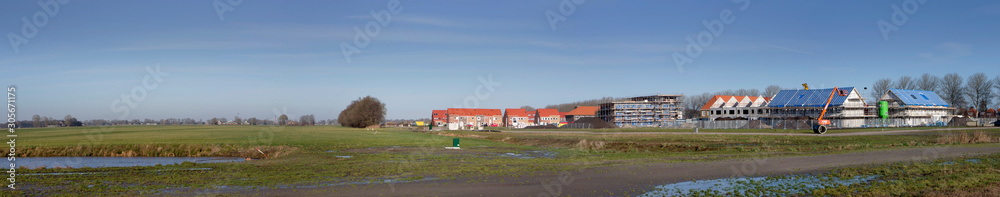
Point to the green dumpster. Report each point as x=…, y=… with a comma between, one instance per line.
x=883, y=109
x=454, y=142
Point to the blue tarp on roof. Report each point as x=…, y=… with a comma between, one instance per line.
x=919, y=97
x=808, y=98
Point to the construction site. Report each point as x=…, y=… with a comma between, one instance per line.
x=642, y=111
x=821, y=109
x=815, y=109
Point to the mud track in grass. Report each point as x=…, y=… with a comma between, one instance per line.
x=629, y=179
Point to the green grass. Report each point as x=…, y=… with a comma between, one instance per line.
x=388, y=154
x=804, y=131
x=970, y=176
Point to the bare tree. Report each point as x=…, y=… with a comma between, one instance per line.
x=928, y=82
x=213, y=121
x=693, y=103
x=880, y=87
x=772, y=90
x=36, y=121
x=951, y=90
x=282, y=119
x=996, y=84
x=70, y=121
x=238, y=120
x=307, y=120
x=979, y=88
x=742, y=92
x=528, y=108
x=905, y=82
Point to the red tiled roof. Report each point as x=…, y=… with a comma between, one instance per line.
x=584, y=111
x=473, y=112
x=548, y=112
x=516, y=112
x=439, y=114
x=712, y=101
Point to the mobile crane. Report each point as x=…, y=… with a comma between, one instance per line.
x=821, y=124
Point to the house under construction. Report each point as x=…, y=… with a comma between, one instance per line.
x=643, y=111
x=843, y=112
x=735, y=107
x=915, y=107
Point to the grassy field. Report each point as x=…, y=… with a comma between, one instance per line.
x=803, y=131
x=970, y=176
x=308, y=156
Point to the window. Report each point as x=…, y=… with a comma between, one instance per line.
x=732, y=111
x=925, y=97
x=914, y=97
x=746, y=111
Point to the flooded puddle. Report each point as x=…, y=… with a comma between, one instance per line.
x=100, y=162
x=530, y=155
x=787, y=185
x=967, y=161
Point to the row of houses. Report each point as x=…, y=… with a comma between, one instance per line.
x=847, y=108
x=641, y=111
x=468, y=118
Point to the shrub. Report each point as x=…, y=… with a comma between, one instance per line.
x=362, y=113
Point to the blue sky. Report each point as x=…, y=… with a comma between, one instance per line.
x=264, y=56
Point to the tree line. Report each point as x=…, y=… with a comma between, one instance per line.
x=976, y=90
x=364, y=112
x=70, y=121
x=566, y=107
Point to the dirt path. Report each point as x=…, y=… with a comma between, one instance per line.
x=829, y=133
x=630, y=180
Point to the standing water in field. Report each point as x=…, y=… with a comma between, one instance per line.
x=754, y=186
x=100, y=162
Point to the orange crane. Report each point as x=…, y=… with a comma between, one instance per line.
x=821, y=126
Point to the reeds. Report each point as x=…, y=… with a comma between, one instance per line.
x=157, y=150
x=965, y=138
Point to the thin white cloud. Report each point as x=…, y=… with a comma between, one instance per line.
x=947, y=52
x=429, y=21
x=192, y=45
x=790, y=49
